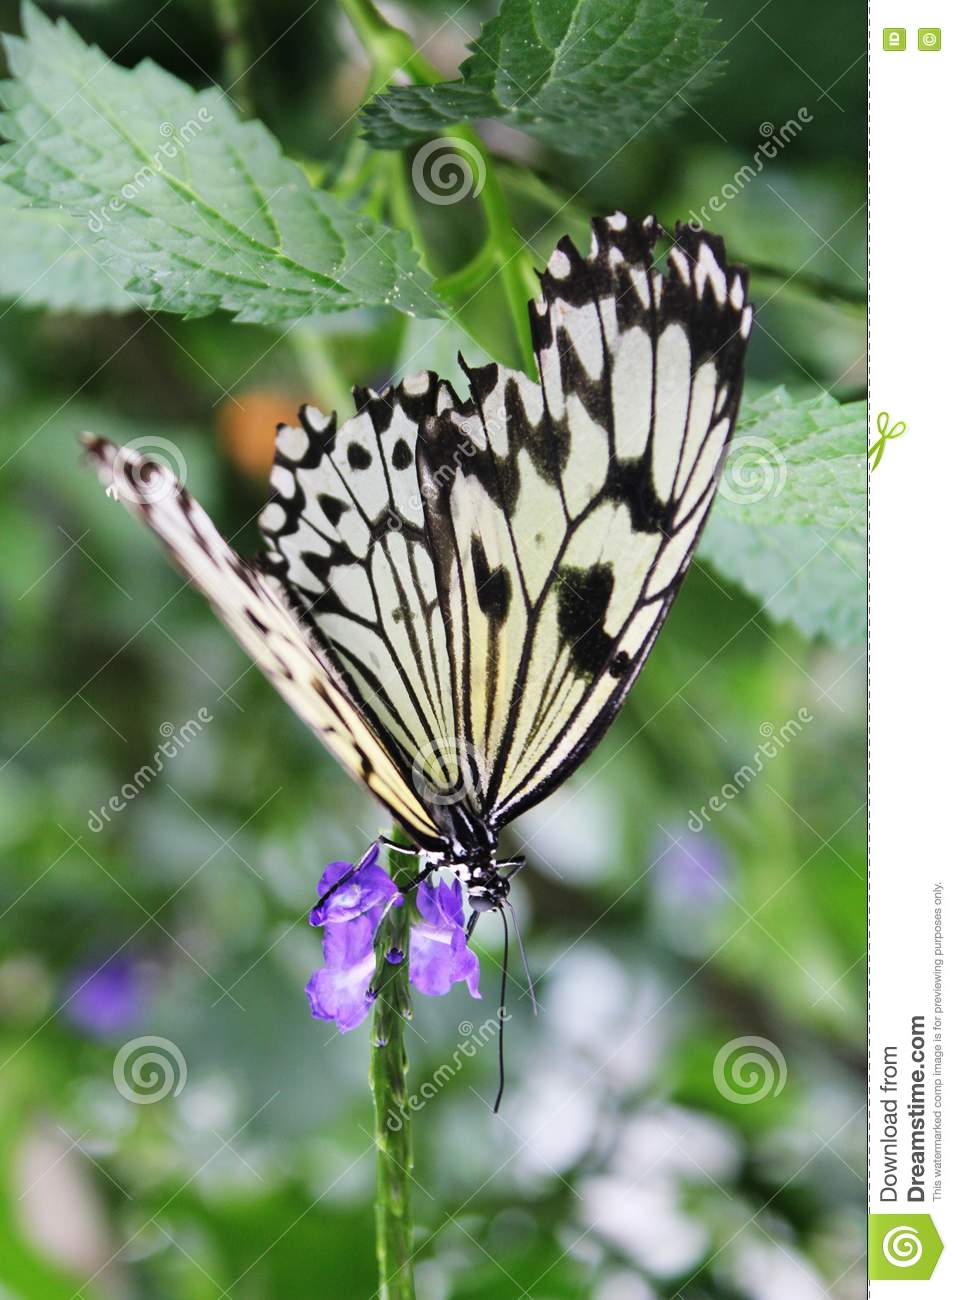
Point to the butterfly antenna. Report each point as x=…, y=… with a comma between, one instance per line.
x=521, y=949
x=501, y=1019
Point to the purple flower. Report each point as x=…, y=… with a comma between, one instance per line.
x=690, y=872
x=369, y=891
x=106, y=998
x=341, y=991
x=439, y=955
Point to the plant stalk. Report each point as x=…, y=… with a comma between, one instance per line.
x=387, y=1077
x=231, y=23
x=392, y=49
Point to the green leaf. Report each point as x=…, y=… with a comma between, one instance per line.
x=789, y=524
x=576, y=74
x=182, y=203
x=45, y=262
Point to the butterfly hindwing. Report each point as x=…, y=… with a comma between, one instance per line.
x=345, y=534
x=254, y=608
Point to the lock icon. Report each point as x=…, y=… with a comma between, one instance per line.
x=895, y=38
x=928, y=38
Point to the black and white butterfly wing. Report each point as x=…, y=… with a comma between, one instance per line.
x=457, y=597
x=563, y=514
x=254, y=607
x=345, y=535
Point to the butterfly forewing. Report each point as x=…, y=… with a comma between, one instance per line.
x=561, y=539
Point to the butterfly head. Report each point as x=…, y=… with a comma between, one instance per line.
x=487, y=890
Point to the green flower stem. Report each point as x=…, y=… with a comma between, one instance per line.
x=387, y=1076
x=390, y=50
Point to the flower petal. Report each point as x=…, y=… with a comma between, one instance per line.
x=341, y=993
x=369, y=890
x=439, y=955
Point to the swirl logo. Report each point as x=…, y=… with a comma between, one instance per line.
x=766, y=129
x=147, y=470
x=754, y=470
x=447, y=170
x=149, y=1069
x=439, y=772
x=902, y=1246
x=749, y=1069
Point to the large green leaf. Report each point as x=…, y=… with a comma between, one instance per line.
x=577, y=74
x=789, y=524
x=44, y=262
x=184, y=204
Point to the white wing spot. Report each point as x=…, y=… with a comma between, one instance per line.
x=559, y=266
x=737, y=293
x=640, y=280
x=272, y=518
x=283, y=481
x=680, y=263
x=709, y=270
x=416, y=385
x=745, y=326
x=617, y=221
x=292, y=441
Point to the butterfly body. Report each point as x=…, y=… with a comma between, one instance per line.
x=457, y=594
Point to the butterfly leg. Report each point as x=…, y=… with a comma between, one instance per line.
x=398, y=848
x=416, y=880
x=515, y=864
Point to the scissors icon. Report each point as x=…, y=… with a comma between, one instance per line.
x=886, y=431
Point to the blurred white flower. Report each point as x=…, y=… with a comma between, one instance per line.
x=770, y=1270
x=577, y=835
x=609, y=1015
x=681, y=1143
x=624, y=1286
x=645, y=1222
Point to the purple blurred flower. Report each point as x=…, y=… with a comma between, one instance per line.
x=438, y=956
x=689, y=871
x=106, y=998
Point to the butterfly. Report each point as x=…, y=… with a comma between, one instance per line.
x=457, y=594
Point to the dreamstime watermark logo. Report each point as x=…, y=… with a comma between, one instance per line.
x=448, y=170
x=472, y=1040
x=175, y=739
x=754, y=470
x=775, y=740
x=149, y=1069
x=902, y=1246
x=775, y=139
x=749, y=1069
x=175, y=140
x=440, y=770
x=146, y=471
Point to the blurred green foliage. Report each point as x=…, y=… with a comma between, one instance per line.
x=618, y=1170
